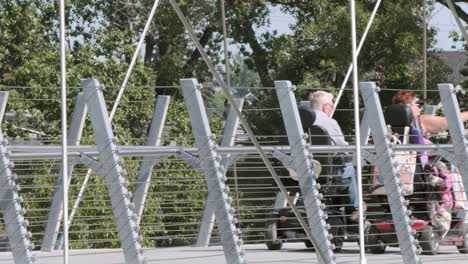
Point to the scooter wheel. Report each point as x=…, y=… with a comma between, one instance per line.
x=464, y=247
x=271, y=237
x=373, y=243
x=429, y=241
x=309, y=244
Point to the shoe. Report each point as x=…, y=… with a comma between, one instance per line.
x=355, y=214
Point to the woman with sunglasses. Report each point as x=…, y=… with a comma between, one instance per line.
x=427, y=123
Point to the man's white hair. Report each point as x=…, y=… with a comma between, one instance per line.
x=320, y=98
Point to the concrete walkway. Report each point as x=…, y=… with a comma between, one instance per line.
x=290, y=253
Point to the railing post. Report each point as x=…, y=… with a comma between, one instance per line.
x=301, y=160
x=210, y=164
x=389, y=175
x=112, y=171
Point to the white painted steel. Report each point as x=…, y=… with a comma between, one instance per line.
x=63, y=100
x=357, y=133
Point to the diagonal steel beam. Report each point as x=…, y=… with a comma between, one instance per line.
x=210, y=164
x=10, y=203
x=113, y=173
x=301, y=158
x=146, y=167
x=54, y=217
x=389, y=175
x=457, y=130
x=229, y=135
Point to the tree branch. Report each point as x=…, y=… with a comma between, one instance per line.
x=259, y=54
x=207, y=33
x=149, y=49
x=460, y=12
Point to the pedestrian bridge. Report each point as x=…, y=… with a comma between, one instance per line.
x=198, y=187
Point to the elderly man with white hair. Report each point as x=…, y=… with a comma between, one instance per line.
x=323, y=105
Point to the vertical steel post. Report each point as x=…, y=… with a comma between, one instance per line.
x=457, y=129
x=301, y=158
x=54, y=217
x=63, y=128
x=389, y=175
x=113, y=174
x=146, y=167
x=229, y=135
x=10, y=203
x=210, y=164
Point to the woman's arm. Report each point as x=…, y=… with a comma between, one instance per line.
x=436, y=124
x=464, y=116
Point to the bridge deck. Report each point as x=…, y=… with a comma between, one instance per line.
x=291, y=253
